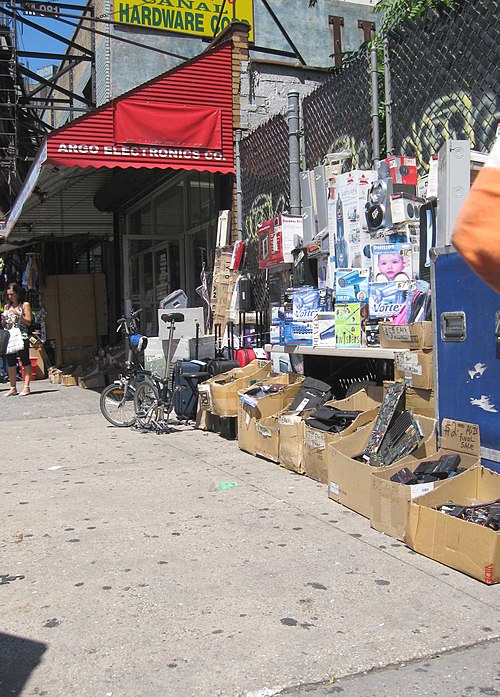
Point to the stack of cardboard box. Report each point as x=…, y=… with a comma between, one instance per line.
x=414, y=364
x=223, y=284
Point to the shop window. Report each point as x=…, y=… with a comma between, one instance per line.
x=141, y=224
x=169, y=212
x=201, y=202
x=89, y=260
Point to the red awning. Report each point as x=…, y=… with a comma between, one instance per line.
x=181, y=120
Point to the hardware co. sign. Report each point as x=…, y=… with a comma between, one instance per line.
x=193, y=17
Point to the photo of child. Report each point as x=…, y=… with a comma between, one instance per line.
x=392, y=262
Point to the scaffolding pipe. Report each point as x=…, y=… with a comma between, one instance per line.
x=294, y=151
x=388, y=100
x=375, y=105
x=239, y=192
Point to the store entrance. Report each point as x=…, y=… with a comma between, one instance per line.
x=170, y=239
x=154, y=272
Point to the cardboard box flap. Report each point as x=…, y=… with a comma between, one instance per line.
x=460, y=437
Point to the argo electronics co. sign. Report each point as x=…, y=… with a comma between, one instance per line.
x=193, y=17
x=180, y=120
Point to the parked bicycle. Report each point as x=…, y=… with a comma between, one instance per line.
x=117, y=399
x=154, y=397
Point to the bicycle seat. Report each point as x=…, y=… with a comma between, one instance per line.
x=173, y=317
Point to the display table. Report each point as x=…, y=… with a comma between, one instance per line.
x=363, y=352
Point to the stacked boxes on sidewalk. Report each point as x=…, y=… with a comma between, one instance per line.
x=384, y=463
x=414, y=364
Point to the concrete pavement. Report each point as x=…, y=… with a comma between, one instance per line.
x=127, y=571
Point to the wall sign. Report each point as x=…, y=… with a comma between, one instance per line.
x=193, y=17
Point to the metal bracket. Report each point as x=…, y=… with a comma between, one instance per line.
x=453, y=326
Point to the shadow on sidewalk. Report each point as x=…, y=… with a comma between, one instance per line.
x=18, y=658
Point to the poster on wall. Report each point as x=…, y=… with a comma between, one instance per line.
x=193, y=17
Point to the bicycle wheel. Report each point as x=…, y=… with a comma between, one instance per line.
x=117, y=404
x=146, y=402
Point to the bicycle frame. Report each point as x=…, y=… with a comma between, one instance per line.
x=162, y=407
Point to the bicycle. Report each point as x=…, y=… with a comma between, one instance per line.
x=117, y=399
x=154, y=398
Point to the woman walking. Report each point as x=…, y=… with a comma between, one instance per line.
x=18, y=314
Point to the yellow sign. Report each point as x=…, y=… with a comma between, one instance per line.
x=193, y=17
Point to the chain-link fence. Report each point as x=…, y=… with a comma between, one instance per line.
x=445, y=79
x=266, y=190
x=445, y=84
x=337, y=115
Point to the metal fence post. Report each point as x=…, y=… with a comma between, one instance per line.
x=375, y=105
x=388, y=99
x=294, y=154
x=239, y=192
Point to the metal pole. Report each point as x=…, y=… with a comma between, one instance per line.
x=294, y=151
x=388, y=99
x=239, y=192
x=375, y=119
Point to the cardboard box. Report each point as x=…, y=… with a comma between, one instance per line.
x=390, y=500
x=278, y=238
x=316, y=442
x=416, y=368
x=403, y=170
x=261, y=442
x=224, y=388
x=350, y=481
x=459, y=544
x=406, y=336
x=41, y=362
x=420, y=401
x=347, y=197
x=291, y=442
x=324, y=329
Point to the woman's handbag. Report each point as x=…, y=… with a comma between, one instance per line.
x=16, y=341
x=4, y=340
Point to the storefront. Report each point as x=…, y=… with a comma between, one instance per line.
x=141, y=181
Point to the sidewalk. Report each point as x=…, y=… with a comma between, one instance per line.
x=131, y=574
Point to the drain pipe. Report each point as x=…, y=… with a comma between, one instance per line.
x=388, y=99
x=239, y=192
x=294, y=151
x=375, y=104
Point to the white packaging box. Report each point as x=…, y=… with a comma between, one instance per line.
x=352, y=188
x=324, y=330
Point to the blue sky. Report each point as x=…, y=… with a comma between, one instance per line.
x=30, y=39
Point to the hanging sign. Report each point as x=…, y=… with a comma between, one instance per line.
x=193, y=17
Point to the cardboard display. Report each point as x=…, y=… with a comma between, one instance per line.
x=316, y=442
x=258, y=442
x=224, y=388
x=416, y=368
x=350, y=481
x=390, y=500
x=406, y=336
x=459, y=544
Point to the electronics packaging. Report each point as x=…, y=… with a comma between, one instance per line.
x=349, y=214
x=277, y=240
x=351, y=285
x=387, y=299
x=348, y=325
x=392, y=262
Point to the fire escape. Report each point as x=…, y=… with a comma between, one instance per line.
x=29, y=99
